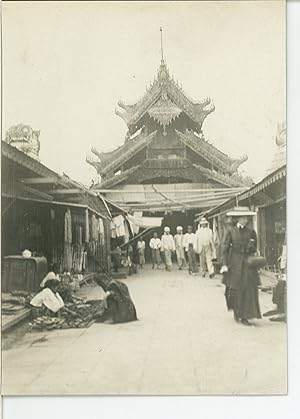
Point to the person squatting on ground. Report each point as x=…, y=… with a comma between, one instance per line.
x=240, y=278
x=167, y=247
x=141, y=245
x=205, y=247
x=48, y=301
x=179, y=247
x=189, y=243
x=155, y=245
x=119, y=307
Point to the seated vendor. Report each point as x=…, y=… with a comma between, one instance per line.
x=47, y=301
x=119, y=307
x=52, y=274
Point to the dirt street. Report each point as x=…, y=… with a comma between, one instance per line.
x=185, y=342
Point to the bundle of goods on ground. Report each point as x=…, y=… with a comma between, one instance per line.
x=73, y=315
x=50, y=310
x=15, y=301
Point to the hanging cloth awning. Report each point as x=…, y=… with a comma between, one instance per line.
x=145, y=222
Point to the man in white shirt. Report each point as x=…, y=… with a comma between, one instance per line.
x=167, y=247
x=141, y=245
x=155, y=245
x=178, y=239
x=205, y=247
x=189, y=243
x=48, y=298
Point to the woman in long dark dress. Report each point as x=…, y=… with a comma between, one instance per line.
x=241, y=279
x=119, y=305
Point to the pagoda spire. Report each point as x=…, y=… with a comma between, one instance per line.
x=161, y=45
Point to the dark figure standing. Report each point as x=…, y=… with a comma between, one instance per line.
x=241, y=279
x=116, y=258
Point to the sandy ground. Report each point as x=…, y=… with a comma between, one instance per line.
x=185, y=342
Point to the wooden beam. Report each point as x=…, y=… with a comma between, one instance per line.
x=237, y=189
x=6, y=207
x=64, y=204
x=36, y=192
x=134, y=238
x=283, y=198
x=39, y=180
x=65, y=191
x=178, y=200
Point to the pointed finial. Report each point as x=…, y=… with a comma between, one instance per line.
x=161, y=45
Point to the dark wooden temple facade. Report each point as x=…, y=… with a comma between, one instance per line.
x=165, y=142
x=164, y=147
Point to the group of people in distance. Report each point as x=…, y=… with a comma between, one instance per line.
x=186, y=246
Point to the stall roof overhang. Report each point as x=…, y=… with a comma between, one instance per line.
x=58, y=203
x=17, y=156
x=32, y=180
x=273, y=177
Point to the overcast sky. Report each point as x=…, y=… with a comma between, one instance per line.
x=66, y=65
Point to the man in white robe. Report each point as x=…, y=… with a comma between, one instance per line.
x=167, y=247
x=178, y=239
x=189, y=243
x=205, y=247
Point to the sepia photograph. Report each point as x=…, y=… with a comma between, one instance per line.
x=143, y=198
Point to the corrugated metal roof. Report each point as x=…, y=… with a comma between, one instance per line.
x=260, y=186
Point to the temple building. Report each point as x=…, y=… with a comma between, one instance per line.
x=166, y=165
x=25, y=139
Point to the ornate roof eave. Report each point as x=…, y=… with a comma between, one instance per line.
x=155, y=164
x=117, y=179
x=210, y=153
x=225, y=180
x=197, y=112
x=125, y=152
x=189, y=174
x=102, y=158
x=96, y=164
x=133, y=113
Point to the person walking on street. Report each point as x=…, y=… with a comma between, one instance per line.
x=141, y=245
x=167, y=247
x=116, y=256
x=130, y=261
x=189, y=243
x=178, y=239
x=205, y=247
x=240, y=273
x=155, y=245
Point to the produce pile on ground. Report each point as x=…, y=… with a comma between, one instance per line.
x=73, y=315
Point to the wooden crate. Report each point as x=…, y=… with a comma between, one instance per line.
x=23, y=274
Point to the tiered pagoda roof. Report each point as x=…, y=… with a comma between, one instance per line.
x=164, y=100
x=165, y=140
